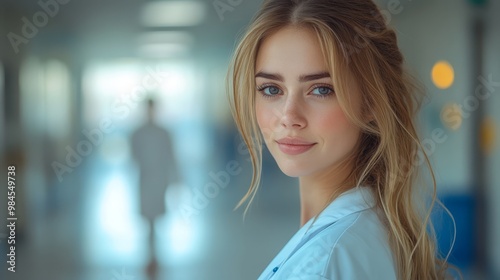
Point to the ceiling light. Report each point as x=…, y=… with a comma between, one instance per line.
x=173, y=13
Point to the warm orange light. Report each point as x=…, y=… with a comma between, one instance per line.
x=451, y=116
x=442, y=74
x=487, y=136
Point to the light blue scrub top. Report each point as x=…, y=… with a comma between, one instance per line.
x=348, y=241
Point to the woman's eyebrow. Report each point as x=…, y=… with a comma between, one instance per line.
x=312, y=77
x=302, y=78
x=270, y=76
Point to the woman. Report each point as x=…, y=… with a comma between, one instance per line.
x=322, y=82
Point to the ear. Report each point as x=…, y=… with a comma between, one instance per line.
x=368, y=116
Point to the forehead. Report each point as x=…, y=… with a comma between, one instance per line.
x=292, y=51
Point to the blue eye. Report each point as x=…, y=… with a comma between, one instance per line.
x=269, y=91
x=322, y=90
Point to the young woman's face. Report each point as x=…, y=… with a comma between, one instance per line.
x=297, y=110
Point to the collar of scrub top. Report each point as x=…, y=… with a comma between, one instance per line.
x=354, y=200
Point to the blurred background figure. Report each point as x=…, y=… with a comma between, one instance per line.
x=151, y=147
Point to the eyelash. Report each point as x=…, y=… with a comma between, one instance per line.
x=264, y=86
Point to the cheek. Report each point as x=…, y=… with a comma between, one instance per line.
x=333, y=120
x=337, y=126
x=264, y=118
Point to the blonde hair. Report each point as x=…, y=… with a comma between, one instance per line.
x=357, y=44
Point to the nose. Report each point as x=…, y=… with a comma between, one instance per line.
x=293, y=114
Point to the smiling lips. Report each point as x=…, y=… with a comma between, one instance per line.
x=294, y=146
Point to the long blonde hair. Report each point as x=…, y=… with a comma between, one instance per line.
x=356, y=43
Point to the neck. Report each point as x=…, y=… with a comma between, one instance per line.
x=316, y=192
x=313, y=198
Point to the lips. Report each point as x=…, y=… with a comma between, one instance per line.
x=294, y=146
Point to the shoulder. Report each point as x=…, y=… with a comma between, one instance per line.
x=359, y=249
x=354, y=247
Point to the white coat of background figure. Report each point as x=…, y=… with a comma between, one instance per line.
x=152, y=150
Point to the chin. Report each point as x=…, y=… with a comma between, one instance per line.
x=293, y=170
